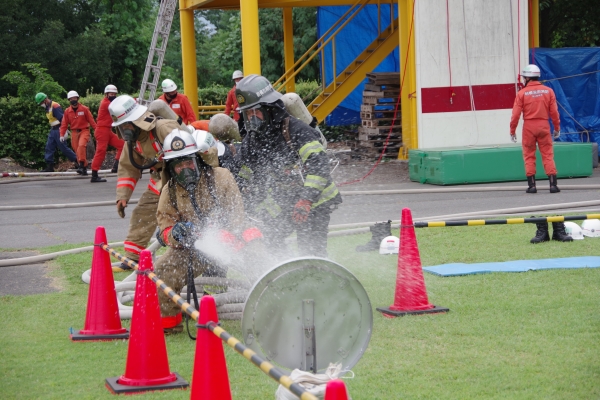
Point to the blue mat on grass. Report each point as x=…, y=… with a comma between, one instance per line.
x=513, y=266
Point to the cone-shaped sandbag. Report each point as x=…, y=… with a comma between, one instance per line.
x=411, y=295
x=210, y=379
x=102, y=321
x=336, y=390
x=147, y=365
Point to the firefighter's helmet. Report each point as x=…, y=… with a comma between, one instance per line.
x=168, y=86
x=110, y=89
x=125, y=109
x=531, y=71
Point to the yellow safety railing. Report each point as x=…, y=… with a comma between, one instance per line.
x=211, y=110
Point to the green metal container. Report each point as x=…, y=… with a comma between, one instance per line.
x=464, y=165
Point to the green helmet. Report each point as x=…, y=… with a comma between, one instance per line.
x=254, y=90
x=40, y=97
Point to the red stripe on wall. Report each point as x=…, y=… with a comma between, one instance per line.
x=486, y=97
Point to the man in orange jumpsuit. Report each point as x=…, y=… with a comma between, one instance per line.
x=538, y=104
x=105, y=136
x=178, y=102
x=231, y=104
x=78, y=118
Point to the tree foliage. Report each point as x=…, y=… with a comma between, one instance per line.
x=567, y=23
x=42, y=82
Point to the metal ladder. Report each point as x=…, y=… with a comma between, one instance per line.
x=160, y=37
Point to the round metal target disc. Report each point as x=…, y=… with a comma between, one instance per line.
x=305, y=304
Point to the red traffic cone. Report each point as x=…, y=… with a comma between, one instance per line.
x=102, y=321
x=411, y=295
x=147, y=365
x=336, y=390
x=210, y=380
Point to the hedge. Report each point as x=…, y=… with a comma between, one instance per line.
x=24, y=127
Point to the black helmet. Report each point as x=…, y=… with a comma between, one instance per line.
x=253, y=90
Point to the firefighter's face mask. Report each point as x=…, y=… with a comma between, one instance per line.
x=129, y=132
x=256, y=119
x=111, y=96
x=185, y=171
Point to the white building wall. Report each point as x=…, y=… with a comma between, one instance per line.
x=484, y=51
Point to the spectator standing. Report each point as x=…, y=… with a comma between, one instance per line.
x=178, y=102
x=78, y=118
x=231, y=104
x=105, y=136
x=54, y=113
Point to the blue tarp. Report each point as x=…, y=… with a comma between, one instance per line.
x=349, y=43
x=578, y=97
x=458, y=269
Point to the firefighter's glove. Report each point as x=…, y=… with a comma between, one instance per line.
x=230, y=239
x=183, y=233
x=121, y=204
x=513, y=138
x=301, y=211
x=556, y=134
x=62, y=139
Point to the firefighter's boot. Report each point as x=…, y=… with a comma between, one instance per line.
x=49, y=167
x=553, y=184
x=541, y=235
x=559, y=233
x=82, y=170
x=379, y=231
x=115, y=167
x=531, y=183
x=96, y=178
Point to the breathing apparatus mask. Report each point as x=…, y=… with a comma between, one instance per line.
x=129, y=132
x=262, y=118
x=185, y=171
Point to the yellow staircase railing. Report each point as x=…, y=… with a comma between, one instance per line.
x=344, y=83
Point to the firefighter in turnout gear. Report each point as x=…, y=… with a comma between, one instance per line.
x=283, y=170
x=198, y=201
x=144, y=134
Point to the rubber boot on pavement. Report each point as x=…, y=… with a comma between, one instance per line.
x=82, y=170
x=96, y=178
x=553, y=184
x=531, y=183
x=49, y=167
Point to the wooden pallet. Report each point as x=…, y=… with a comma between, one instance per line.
x=367, y=136
x=379, y=88
x=380, y=130
x=374, y=122
x=377, y=108
x=392, y=94
x=384, y=78
x=379, y=115
x=378, y=101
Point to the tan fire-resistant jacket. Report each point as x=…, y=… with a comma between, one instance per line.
x=218, y=199
x=149, y=146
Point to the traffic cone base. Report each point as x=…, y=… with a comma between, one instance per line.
x=390, y=312
x=115, y=386
x=81, y=336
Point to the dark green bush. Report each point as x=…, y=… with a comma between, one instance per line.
x=24, y=128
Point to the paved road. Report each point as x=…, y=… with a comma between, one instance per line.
x=38, y=228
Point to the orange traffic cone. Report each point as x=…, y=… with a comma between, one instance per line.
x=336, y=390
x=411, y=295
x=102, y=321
x=210, y=380
x=147, y=365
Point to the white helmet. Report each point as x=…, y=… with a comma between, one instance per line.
x=574, y=230
x=389, y=245
x=531, y=71
x=72, y=94
x=125, y=109
x=237, y=74
x=591, y=227
x=168, y=86
x=204, y=140
x=179, y=143
x=110, y=89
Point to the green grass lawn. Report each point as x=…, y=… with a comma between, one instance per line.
x=533, y=335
